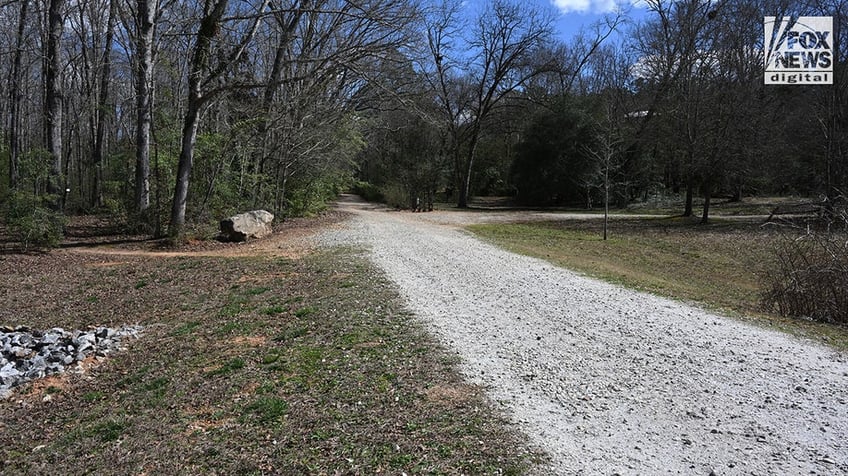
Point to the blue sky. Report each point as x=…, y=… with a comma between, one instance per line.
x=574, y=14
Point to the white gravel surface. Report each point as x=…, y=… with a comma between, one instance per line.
x=609, y=380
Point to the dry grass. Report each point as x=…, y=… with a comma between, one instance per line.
x=718, y=266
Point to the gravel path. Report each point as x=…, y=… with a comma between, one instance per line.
x=608, y=380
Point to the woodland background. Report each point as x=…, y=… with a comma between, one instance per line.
x=170, y=113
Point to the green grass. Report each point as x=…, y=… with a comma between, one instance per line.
x=275, y=309
x=107, y=431
x=93, y=396
x=304, y=311
x=186, y=328
x=257, y=291
x=716, y=266
x=266, y=410
x=228, y=367
x=666, y=257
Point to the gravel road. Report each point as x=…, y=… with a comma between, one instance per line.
x=609, y=380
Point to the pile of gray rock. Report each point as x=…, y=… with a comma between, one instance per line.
x=27, y=354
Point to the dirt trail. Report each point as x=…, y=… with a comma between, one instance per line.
x=609, y=380
x=291, y=239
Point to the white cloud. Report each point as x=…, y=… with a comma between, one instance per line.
x=586, y=6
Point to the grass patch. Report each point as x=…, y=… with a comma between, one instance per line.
x=110, y=430
x=269, y=359
x=291, y=334
x=257, y=291
x=236, y=305
x=93, y=396
x=185, y=329
x=267, y=409
x=304, y=311
x=274, y=310
x=717, y=266
x=228, y=367
x=340, y=378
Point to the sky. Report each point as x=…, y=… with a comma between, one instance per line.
x=574, y=14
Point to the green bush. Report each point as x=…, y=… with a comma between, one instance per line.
x=368, y=192
x=309, y=198
x=396, y=196
x=32, y=221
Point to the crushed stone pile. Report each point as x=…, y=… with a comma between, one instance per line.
x=27, y=354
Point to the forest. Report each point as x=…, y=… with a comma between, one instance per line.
x=171, y=113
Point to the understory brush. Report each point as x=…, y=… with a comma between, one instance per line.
x=808, y=277
x=33, y=221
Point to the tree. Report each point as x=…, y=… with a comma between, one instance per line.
x=833, y=106
x=200, y=77
x=551, y=159
x=145, y=22
x=53, y=105
x=500, y=50
x=606, y=161
x=16, y=96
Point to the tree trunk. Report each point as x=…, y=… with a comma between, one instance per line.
x=209, y=28
x=690, y=191
x=288, y=27
x=15, y=98
x=465, y=189
x=54, y=100
x=145, y=18
x=708, y=195
x=98, y=156
x=835, y=153
x=606, y=196
x=189, y=137
x=737, y=193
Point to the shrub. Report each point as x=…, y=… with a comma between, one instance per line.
x=368, y=192
x=32, y=222
x=396, y=196
x=808, y=277
x=313, y=196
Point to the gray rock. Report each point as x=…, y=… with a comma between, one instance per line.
x=51, y=338
x=241, y=227
x=28, y=355
x=8, y=372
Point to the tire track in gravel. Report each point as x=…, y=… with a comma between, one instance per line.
x=609, y=380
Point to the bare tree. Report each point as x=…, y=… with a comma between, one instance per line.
x=16, y=96
x=99, y=148
x=833, y=105
x=326, y=54
x=146, y=12
x=54, y=97
x=501, y=46
x=606, y=158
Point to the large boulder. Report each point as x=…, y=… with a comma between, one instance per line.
x=255, y=224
